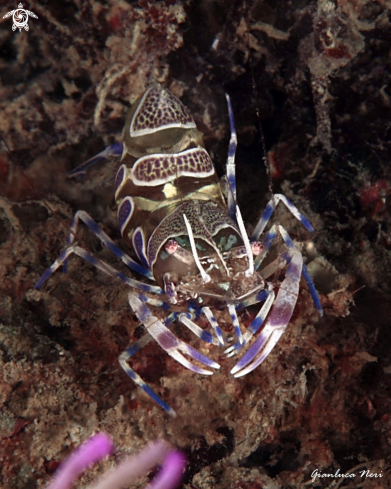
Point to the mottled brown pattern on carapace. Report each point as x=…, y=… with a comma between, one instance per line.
x=167, y=181
x=159, y=169
x=159, y=109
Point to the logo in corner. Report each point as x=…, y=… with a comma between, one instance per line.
x=20, y=16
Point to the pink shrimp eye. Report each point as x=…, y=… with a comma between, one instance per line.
x=256, y=247
x=171, y=246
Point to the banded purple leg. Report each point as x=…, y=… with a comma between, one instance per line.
x=253, y=299
x=306, y=275
x=278, y=320
x=186, y=318
x=231, y=178
x=168, y=341
x=132, y=350
x=114, y=150
x=101, y=265
x=102, y=236
x=269, y=211
x=235, y=322
x=215, y=325
x=270, y=236
x=255, y=324
x=278, y=264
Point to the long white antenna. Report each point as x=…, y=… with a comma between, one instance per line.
x=250, y=271
x=205, y=277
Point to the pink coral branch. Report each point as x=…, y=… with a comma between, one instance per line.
x=128, y=472
x=171, y=473
x=92, y=451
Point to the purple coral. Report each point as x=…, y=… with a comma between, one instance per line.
x=92, y=451
x=99, y=446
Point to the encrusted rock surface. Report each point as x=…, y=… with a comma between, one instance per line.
x=316, y=77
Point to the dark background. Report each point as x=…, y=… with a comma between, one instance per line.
x=310, y=84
